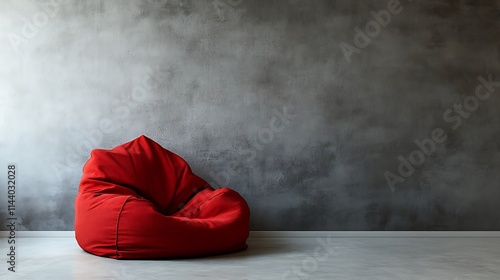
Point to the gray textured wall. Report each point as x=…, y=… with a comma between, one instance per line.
x=284, y=101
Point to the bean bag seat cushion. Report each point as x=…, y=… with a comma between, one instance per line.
x=141, y=201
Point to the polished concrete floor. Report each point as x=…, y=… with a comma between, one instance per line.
x=271, y=257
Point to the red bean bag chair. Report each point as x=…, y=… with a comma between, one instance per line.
x=140, y=201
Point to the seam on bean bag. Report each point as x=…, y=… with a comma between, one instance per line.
x=194, y=207
x=117, y=224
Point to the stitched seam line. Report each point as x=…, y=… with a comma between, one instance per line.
x=117, y=224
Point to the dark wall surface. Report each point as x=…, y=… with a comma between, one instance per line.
x=324, y=115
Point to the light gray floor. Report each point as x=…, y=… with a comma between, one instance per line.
x=273, y=258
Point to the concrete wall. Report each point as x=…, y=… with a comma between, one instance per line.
x=307, y=108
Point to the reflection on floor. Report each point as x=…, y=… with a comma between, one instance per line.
x=272, y=257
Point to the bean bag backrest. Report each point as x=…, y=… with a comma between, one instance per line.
x=159, y=175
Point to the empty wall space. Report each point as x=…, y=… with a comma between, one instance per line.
x=324, y=115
